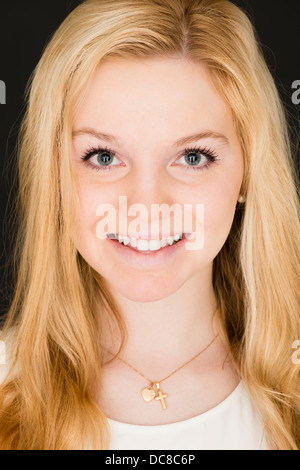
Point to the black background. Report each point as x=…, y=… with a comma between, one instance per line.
x=26, y=27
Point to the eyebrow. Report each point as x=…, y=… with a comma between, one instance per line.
x=182, y=141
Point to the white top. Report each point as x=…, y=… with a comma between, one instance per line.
x=234, y=424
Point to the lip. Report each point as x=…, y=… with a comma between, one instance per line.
x=148, y=259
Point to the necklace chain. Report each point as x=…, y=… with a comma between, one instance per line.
x=148, y=393
x=186, y=363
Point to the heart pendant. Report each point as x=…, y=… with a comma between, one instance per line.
x=148, y=394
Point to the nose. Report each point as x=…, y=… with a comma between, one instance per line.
x=149, y=182
x=149, y=198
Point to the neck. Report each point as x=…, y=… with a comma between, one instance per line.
x=168, y=332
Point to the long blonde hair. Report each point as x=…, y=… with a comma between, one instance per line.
x=47, y=400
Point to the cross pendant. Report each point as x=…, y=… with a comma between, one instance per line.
x=161, y=396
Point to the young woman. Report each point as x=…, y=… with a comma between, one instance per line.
x=139, y=341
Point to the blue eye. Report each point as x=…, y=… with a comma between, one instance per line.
x=193, y=157
x=106, y=159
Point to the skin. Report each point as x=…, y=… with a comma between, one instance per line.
x=168, y=307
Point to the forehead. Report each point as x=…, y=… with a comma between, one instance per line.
x=145, y=96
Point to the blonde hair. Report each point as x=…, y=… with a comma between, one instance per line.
x=47, y=400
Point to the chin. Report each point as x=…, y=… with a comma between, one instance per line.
x=145, y=288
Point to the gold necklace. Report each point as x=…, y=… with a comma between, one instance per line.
x=149, y=393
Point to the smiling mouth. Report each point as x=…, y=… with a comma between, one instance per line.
x=147, y=246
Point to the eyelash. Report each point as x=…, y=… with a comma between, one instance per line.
x=207, y=152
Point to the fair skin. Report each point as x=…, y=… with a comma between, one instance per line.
x=168, y=305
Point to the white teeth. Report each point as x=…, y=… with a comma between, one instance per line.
x=126, y=240
x=147, y=245
x=170, y=240
x=142, y=245
x=154, y=245
x=133, y=242
x=123, y=239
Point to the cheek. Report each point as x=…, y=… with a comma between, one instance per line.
x=219, y=204
x=218, y=217
x=86, y=206
x=89, y=197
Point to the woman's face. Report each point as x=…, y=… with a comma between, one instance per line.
x=148, y=105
